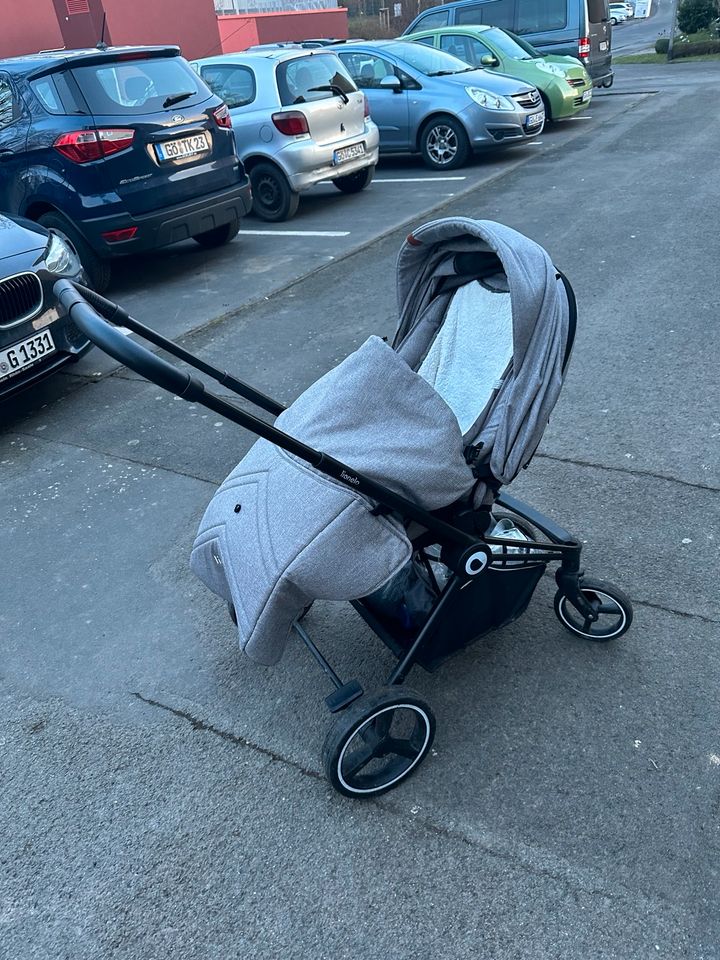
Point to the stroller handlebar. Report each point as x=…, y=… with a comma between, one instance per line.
x=131, y=354
x=121, y=348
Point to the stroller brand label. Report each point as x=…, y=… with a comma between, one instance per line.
x=346, y=476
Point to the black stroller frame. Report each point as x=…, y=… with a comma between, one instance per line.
x=394, y=729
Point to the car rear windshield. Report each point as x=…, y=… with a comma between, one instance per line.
x=315, y=77
x=124, y=88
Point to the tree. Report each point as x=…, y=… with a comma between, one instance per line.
x=696, y=15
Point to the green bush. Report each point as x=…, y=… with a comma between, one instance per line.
x=695, y=49
x=662, y=44
x=695, y=15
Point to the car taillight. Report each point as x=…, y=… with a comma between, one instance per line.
x=584, y=46
x=367, y=106
x=292, y=123
x=82, y=146
x=222, y=116
x=117, y=236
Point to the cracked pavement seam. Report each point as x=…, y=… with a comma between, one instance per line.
x=423, y=823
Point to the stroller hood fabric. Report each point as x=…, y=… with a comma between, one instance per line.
x=278, y=534
x=511, y=425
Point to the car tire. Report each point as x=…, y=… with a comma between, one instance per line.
x=219, y=236
x=273, y=198
x=355, y=182
x=444, y=144
x=548, y=110
x=97, y=268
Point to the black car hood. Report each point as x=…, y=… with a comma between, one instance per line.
x=18, y=236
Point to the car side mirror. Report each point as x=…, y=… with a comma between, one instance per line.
x=393, y=83
x=489, y=60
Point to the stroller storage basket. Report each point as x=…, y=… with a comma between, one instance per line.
x=498, y=596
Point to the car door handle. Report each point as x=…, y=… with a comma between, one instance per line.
x=6, y=155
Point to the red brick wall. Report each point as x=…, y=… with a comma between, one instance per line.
x=242, y=30
x=28, y=26
x=191, y=24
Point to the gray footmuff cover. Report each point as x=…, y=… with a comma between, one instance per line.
x=278, y=534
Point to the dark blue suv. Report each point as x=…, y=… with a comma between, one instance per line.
x=118, y=150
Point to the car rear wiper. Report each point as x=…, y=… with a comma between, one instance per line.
x=176, y=98
x=331, y=88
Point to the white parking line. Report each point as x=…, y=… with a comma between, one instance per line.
x=294, y=233
x=415, y=179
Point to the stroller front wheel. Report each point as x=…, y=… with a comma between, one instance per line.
x=378, y=742
x=612, y=606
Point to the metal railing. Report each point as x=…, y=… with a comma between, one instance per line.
x=230, y=7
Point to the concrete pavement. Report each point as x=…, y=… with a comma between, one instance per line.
x=163, y=797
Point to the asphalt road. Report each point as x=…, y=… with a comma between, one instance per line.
x=162, y=797
x=639, y=35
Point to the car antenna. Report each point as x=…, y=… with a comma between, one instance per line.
x=101, y=45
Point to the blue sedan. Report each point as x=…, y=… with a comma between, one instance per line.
x=427, y=101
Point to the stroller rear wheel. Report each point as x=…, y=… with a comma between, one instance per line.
x=378, y=742
x=614, y=609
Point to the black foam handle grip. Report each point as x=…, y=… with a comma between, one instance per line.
x=126, y=351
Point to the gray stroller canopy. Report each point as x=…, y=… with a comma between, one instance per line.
x=495, y=348
x=475, y=363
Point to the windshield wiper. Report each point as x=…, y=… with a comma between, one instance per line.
x=176, y=98
x=330, y=88
x=450, y=73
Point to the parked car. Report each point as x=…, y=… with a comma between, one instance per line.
x=629, y=9
x=298, y=118
x=564, y=84
x=426, y=101
x=36, y=336
x=574, y=28
x=313, y=44
x=120, y=150
x=617, y=13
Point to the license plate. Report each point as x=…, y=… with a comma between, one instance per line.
x=603, y=44
x=586, y=96
x=187, y=147
x=535, y=119
x=349, y=153
x=25, y=353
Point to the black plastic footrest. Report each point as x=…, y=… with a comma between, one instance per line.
x=340, y=698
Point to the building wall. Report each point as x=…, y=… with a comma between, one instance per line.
x=27, y=27
x=237, y=32
x=31, y=25
x=240, y=31
x=191, y=24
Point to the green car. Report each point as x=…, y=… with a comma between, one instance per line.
x=563, y=82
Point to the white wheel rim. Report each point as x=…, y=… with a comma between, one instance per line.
x=605, y=636
x=406, y=771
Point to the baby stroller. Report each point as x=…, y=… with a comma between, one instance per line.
x=382, y=483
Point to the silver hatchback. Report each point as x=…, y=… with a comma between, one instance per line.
x=298, y=118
